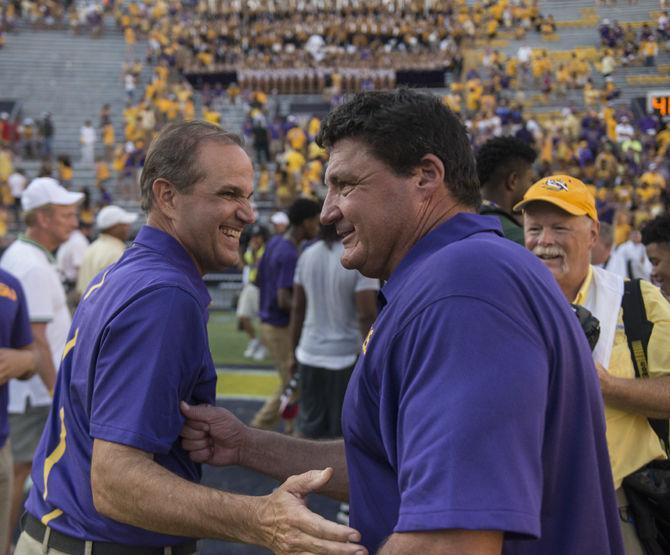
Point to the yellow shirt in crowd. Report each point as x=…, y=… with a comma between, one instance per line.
x=631, y=441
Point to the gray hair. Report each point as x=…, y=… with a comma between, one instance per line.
x=172, y=156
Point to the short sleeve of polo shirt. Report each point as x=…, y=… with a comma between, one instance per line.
x=658, y=312
x=149, y=359
x=471, y=397
x=38, y=296
x=21, y=332
x=286, y=265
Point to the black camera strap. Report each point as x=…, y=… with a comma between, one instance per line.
x=638, y=331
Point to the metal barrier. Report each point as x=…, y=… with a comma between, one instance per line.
x=224, y=290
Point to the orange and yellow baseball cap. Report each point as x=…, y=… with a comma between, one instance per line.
x=568, y=193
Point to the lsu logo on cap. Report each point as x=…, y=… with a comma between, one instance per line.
x=555, y=185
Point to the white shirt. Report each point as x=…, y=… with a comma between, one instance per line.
x=624, y=131
x=524, y=53
x=17, y=183
x=630, y=256
x=70, y=254
x=35, y=268
x=330, y=336
x=87, y=135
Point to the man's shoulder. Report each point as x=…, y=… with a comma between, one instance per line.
x=656, y=305
x=482, y=266
x=9, y=280
x=22, y=257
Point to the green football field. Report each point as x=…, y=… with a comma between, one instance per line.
x=238, y=377
x=227, y=343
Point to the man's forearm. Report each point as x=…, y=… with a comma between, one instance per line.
x=280, y=456
x=45, y=367
x=128, y=486
x=649, y=397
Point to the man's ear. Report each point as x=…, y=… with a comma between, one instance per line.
x=42, y=216
x=431, y=173
x=164, y=194
x=511, y=181
x=595, y=232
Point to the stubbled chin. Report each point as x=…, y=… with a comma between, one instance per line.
x=348, y=258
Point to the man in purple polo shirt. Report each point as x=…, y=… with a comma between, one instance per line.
x=275, y=283
x=109, y=475
x=473, y=422
x=18, y=359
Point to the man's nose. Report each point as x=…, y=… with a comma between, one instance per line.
x=546, y=237
x=330, y=212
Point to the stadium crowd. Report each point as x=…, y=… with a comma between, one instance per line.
x=621, y=157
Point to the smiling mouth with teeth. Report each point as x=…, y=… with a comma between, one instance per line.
x=232, y=233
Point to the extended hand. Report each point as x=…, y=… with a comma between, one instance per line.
x=212, y=435
x=290, y=527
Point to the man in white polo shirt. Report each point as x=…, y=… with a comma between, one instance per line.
x=50, y=215
x=114, y=224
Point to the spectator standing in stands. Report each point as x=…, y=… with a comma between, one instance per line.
x=505, y=171
x=514, y=454
x=28, y=135
x=50, y=214
x=138, y=345
x=275, y=282
x=656, y=239
x=561, y=228
x=114, y=224
x=18, y=360
x=87, y=139
x=333, y=310
x=46, y=132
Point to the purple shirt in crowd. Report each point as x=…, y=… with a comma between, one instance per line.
x=15, y=333
x=475, y=403
x=275, y=271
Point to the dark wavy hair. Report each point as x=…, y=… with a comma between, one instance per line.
x=499, y=156
x=400, y=127
x=657, y=230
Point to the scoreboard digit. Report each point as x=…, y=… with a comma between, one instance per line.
x=658, y=102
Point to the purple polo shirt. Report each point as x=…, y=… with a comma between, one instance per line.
x=15, y=333
x=476, y=404
x=275, y=271
x=137, y=347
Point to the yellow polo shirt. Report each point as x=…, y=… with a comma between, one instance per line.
x=631, y=441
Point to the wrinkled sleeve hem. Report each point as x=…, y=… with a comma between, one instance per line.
x=507, y=521
x=129, y=438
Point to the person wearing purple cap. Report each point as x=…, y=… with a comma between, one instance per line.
x=50, y=215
